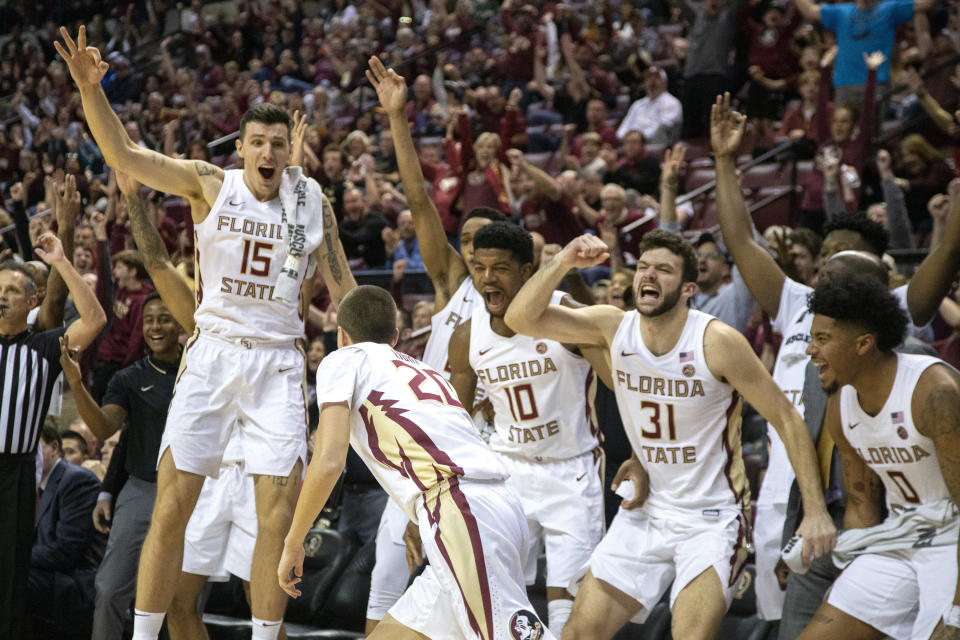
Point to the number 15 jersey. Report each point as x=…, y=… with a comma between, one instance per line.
x=240, y=250
x=682, y=422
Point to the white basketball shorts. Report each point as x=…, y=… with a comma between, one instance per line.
x=390, y=572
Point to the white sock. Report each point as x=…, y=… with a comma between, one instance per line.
x=265, y=629
x=146, y=625
x=557, y=613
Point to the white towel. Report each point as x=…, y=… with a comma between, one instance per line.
x=301, y=200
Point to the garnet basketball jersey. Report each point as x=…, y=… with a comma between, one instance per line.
x=240, y=251
x=542, y=393
x=458, y=309
x=682, y=422
x=903, y=458
x=405, y=421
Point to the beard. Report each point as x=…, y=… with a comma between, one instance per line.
x=668, y=302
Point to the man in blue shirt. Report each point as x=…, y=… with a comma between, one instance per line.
x=861, y=28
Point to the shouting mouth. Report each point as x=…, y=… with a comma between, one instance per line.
x=267, y=173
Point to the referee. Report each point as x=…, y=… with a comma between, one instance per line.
x=138, y=395
x=29, y=367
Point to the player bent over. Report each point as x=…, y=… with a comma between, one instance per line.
x=405, y=421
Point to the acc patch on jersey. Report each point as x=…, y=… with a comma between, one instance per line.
x=525, y=625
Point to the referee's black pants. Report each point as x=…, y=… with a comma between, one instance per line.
x=18, y=506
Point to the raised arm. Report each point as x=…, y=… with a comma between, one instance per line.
x=188, y=178
x=935, y=275
x=760, y=271
x=531, y=313
x=66, y=207
x=92, y=318
x=169, y=283
x=441, y=261
x=808, y=9
x=103, y=421
x=863, y=487
x=542, y=181
x=669, y=183
x=331, y=259
x=898, y=221
x=730, y=357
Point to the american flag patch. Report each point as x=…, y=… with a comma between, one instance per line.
x=686, y=356
x=897, y=417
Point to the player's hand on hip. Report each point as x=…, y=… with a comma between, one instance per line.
x=102, y=515
x=86, y=66
x=819, y=535
x=290, y=570
x=411, y=538
x=633, y=471
x=584, y=251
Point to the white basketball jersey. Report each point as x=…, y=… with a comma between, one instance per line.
x=682, y=422
x=542, y=394
x=458, y=309
x=239, y=254
x=405, y=421
x=903, y=458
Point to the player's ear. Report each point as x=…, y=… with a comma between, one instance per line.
x=396, y=337
x=343, y=338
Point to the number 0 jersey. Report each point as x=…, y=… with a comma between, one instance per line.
x=405, y=421
x=889, y=442
x=682, y=422
x=240, y=251
x=542, y=393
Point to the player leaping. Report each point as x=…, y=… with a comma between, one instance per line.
x=677, y=377
x=256, y=231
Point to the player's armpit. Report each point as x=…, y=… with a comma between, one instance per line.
x=331, y=258
x=462, y=376
x=193, y=179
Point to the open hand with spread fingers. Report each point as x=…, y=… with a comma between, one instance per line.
x=391, y=87
x=726, y=127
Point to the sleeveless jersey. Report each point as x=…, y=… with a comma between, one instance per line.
x=903, y=458
x=542, y=394
x=682, y=422
x=240, y=251
x=458, y=309
x=405, y=421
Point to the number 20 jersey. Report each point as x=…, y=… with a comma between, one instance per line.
x=406, y=422
x=682, y=422
x=240, y=250
x=542, y=393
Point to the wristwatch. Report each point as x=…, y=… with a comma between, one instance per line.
x=951, y=617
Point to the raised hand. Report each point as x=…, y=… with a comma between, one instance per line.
x=874, y=60
x=726, y=127
x=297, y=134
x=98, y=220
x=69, y=361
x=70, y=203
x=673, y=164
x=584, y=251
x=85, y=65
x=391, y=88
x=50, y=249
x=826, y=61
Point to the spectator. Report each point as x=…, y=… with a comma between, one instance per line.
x=596, y=123
x=407, y=246
x=636, y=169
x=798, y=120
x=67, y=549
x=923, y=174
x=658, y=115
x=544, y=207
x=362, y=231
x=615, y=215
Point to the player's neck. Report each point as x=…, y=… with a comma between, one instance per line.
x=661, y=333
x=261, y=194
x=500, y=327
x=874, y=381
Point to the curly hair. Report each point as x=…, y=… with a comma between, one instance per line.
x=862, y=301
x=505, y=235
x=660, y=239
x=873, y=233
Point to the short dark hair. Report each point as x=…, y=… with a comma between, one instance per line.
x=660, y=239
x=132, y=258
x=266, y=113
x=70, y=433
x=505, y=235
x=368, y=314
x=807, y=238
x=491, y=214
x=707, y=237
x=873, y=233
x=12, y=265
x=153, y=295
x=852, y=298
x=49, y=434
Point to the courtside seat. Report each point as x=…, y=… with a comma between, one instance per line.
x=221, y=627
x=301, y=632
x=345, y=605
x=227, y=599
x=656, y=627
x=330, y=555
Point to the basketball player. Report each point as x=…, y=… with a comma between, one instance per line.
x=455, y=301
x=403, y=418
x=785, y=301
x=896, y=422
x=250, y=264
x=545, y=428
x=678, y=375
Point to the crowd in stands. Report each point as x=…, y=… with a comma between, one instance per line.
x=562, y=116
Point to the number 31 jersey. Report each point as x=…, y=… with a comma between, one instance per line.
x=405, y=421
x=682, y=422
x=240, y=251
x=542, y=393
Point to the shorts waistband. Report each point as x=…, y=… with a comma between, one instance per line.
x=595, y=452
x=250, y=343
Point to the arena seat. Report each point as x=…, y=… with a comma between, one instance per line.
x=656, y=627
x=345, y=606
x=804, y=170
x=762, y=175
x=227, y=599
x=696, y=178
x=776, y=211
x=221, y=627
x=321, y=570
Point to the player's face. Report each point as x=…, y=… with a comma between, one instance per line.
x=160, y=331
x=470, y=228
x=833, y=348
x=265, y=150
x=498, y=275
x=658, y=285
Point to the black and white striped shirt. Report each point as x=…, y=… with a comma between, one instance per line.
x=29, y=367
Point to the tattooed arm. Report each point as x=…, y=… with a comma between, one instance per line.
x=936, y=404
x=331, y=259
x=863, y=487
